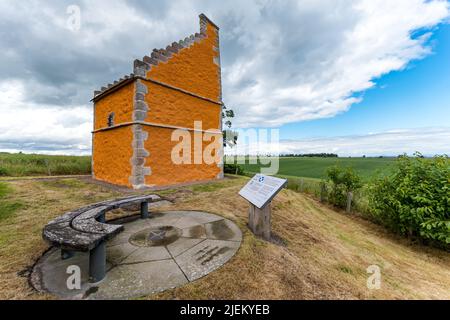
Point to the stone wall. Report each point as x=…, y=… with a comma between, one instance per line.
x=112, y=154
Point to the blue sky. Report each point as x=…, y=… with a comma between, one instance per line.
x=416, y=97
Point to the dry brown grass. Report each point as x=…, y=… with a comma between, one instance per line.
x=319, y=253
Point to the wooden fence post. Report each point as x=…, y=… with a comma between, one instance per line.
x=47, y=164
x=301, y=185
x=349, y=201
x=259, y=220
x=323, y=190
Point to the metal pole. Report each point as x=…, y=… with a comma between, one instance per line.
x=144, y=210
x=323, y=191
x=97, y=263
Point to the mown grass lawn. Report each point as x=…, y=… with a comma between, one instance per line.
x=319, y=253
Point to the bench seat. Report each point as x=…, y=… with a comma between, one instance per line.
x=84, y=229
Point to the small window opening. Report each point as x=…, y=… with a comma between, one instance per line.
x=111, y=119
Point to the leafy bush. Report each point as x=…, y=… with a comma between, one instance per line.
x=415, y=199
x=343, y=180
x=233, y=169
x=3, y=171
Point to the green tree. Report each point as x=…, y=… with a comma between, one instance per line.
x=230, y=136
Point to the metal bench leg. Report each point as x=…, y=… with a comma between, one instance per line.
x=97, y=263
x=144, y=210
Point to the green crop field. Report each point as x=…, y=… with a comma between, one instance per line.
x=316, y=167
x=19, y=165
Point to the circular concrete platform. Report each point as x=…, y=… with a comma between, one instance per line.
x=151, y=255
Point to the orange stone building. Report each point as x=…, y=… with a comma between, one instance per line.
x=173, y=89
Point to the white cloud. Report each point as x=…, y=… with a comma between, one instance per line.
x=43, y=129
x=309, y=65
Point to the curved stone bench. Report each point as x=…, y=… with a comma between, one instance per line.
x=85, y=230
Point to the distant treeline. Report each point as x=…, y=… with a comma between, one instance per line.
x=316, y=155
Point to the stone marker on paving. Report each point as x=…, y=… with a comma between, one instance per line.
x=165, y=251
x=204, y=257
